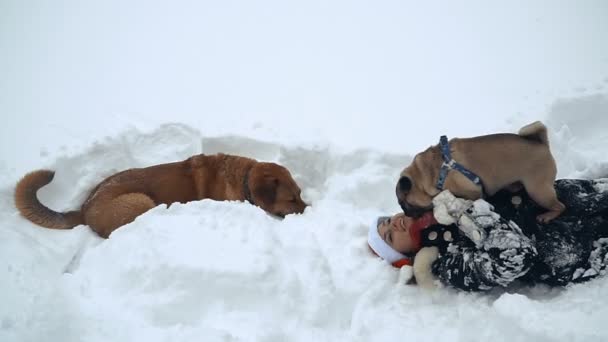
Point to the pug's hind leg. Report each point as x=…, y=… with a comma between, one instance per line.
x=543, y=193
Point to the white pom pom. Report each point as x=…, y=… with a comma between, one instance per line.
x=422, y=267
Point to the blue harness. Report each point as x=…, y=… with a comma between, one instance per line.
x=451, y=164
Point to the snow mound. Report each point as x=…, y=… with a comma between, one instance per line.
x=578, y=135
x=226, y=271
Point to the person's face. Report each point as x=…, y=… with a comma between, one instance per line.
x=396, y=232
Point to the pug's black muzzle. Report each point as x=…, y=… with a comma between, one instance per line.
x=413, y=211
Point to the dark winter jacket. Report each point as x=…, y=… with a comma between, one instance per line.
x=571, y=248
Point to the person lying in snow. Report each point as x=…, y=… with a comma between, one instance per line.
x=480, y=245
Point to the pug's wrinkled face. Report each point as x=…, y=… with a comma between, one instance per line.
x=274, y=190
x=415, y=189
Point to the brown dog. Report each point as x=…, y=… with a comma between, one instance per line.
x=498, y=161
x=120, y=198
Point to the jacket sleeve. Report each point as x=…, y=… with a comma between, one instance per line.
x=503, y=255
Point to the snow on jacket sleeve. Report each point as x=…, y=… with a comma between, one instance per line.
x=504, y=255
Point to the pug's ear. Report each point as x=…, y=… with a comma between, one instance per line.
x=405, y=184
x=266, y=190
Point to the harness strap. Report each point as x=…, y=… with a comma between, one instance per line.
x=451, y=164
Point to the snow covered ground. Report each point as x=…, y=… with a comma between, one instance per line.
x=343, y=94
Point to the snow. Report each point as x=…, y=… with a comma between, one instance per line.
x=343, y=95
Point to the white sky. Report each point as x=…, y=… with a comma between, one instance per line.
x=391, y=75
x=388, y=75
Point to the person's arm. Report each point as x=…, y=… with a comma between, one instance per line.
x=499, y=254
x=583, y=197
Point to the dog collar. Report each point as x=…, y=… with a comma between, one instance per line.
x=246, y=189
x=451, y=164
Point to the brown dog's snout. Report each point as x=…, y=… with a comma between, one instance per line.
x=301, y=208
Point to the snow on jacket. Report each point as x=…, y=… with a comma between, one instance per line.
x=571, y=248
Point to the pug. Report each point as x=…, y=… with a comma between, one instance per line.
x=481, y=166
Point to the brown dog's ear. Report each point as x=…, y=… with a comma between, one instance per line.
x=266, y=190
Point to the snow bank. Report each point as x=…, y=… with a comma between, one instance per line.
x=226, y=271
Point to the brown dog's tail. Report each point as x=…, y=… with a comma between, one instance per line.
x=536, y=131
x=30, y=207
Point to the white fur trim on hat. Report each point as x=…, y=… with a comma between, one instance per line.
x=380, y=247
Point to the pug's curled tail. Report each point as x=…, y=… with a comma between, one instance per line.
x=30, y=207
x=535, y=131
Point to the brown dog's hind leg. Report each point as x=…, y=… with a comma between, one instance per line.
x=106, y=217
x=543, y=193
